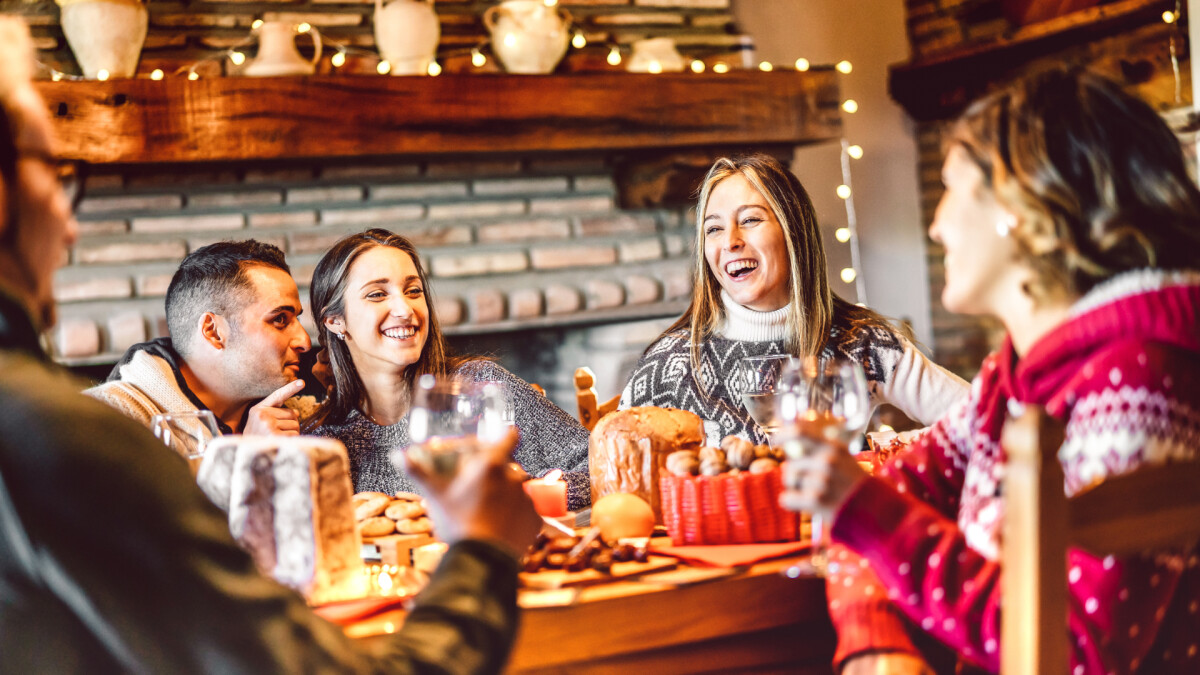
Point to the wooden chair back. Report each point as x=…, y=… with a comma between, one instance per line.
x=1156, y=507
x=591, y=409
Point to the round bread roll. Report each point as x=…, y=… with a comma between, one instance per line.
x=369, y=508
x=622, y=515
x=377, y=526
x=402, y=510
x=364, y=496
x=415, y=526
x=409, y=496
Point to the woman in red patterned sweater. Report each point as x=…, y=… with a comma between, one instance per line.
x=1069, y=215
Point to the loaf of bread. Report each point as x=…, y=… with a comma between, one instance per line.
x=628, y=450
x=289, y=505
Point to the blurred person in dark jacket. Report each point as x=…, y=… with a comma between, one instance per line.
x=111, y=559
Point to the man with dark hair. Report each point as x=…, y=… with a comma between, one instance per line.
x=235, y=347
x=112, y=560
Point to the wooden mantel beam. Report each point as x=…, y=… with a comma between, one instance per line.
x=238, y=119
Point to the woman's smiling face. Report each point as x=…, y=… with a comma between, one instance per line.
x=744, y=246
x=387, y=314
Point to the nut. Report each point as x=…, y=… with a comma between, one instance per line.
x=739, y=452
x=712, y=454
x=763, y=465
x=712, y=468
x=683, y=463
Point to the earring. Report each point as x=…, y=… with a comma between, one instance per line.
x=1006, y=224
x=341, y=336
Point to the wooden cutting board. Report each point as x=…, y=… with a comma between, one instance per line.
x=620, y=570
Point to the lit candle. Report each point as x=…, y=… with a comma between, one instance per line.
x=549, y=494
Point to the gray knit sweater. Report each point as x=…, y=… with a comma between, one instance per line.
x=549, y=438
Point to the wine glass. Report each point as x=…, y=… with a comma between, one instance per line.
x=757, y=379
x=187, y=433
x=820, y=402
x=443, y=422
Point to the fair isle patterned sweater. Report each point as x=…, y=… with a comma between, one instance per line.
x=1124, y=373
x=897, y=372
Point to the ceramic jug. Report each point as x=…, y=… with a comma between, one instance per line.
x=105, y=34
x=277, y=53
x=407, y=33
x=527, y=36
x=655, y=55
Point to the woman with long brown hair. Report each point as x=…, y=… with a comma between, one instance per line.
x=374, y=313
x=1070, y=216
x=760, y=287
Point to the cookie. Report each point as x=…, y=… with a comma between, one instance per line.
x=364, y=496
x=408, y=496
x=377, y=526
x=414, y=526
x=369, y=508
x=402, y=510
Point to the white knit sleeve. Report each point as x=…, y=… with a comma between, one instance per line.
x=920, y=388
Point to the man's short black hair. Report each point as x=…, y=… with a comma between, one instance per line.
x=213, y=279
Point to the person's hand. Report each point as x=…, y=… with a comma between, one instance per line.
x=483, y=500
x=893, y=663
x=268, y=417
x=820, y=482
x=322, y=371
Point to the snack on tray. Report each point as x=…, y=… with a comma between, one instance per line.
x=380, y=514
x=628, y=450
x=739, y=505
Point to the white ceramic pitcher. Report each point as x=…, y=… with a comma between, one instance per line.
x=527, y=36
x=105, y=34
x=407, y=33
x=277, y=53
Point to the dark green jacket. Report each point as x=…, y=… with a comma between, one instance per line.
x=112, y=560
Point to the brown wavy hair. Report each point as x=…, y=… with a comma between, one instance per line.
x=1096, y=178
x=327, y=295
x=813, y=306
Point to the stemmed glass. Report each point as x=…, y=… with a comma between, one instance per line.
x=757, y=380
x=820, y=403
x=448, y=416
x=188, y=433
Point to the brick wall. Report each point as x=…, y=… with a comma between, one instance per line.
x=1140, y=58
x=182, y=32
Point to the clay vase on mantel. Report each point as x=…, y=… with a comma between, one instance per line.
x=407, y=34
x=105, y=34
x=277, y=53
x=527, y=36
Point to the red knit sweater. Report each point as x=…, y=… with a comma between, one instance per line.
x=1124, y=373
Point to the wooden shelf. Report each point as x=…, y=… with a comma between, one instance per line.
x=240, y=119
x=939, y=86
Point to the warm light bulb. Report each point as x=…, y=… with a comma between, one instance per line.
x=384, y=581
x=842, y=234
x=855, y=151
x=238, y=58
x=384, y=67
x=720, y=67
x=478, y=59
x=56, y=76
x=156, y=74
x=256, y=24
x=193, y=75
x=766, y=66
x=844, y=67
x=303, y=28
x=849, y=275
x=579, y=41
x=338, y=60
x=102, y=74
x=434, y=69
x=697, y=66
x=843, y=191
x=654, y=67
x=1168, y=17
x=850, y=105
x=802, y=64
x=614, y=56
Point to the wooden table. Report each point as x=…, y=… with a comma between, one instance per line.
x=757, y=621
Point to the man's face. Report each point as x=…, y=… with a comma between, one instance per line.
x=266, y=338
x=45, y=227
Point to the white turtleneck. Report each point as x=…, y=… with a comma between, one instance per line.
x=748, y=325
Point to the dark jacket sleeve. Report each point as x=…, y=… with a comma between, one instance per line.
x=126, y=541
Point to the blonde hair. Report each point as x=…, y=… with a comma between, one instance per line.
x=812, y=305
